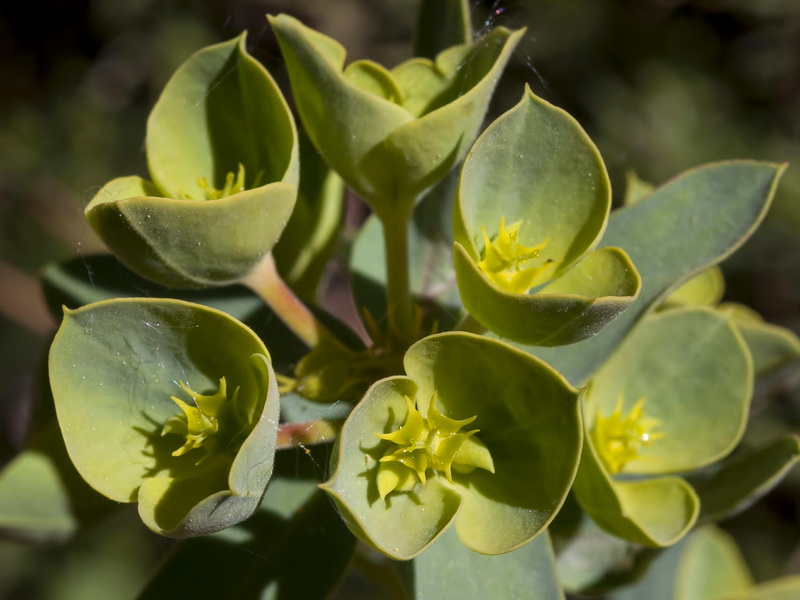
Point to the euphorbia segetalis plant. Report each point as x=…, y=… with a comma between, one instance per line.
x=464, y=448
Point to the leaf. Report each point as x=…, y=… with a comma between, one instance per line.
x=744, y=479
x=535, y=177
x=114, y=367
x=380, y=149
x=450, y=570
x=685, y=226
x=441, y=25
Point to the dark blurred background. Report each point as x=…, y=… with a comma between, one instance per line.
x=660, y=85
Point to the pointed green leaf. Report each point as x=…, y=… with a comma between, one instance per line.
x=745, y=478
x=379, y=148
x=450, y=570
x=535, y=177
x=114, y=367
x=685, y=226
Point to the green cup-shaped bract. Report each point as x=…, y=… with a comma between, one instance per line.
x=674, y=397
x=222, y=152
x=536, y=177
x=527, y=417
x=114, y=368
x=391, y=134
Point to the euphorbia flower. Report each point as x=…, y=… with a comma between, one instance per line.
x=477, y=435
x=673, y=397
x=531, y=206
x=222, y=152
x=391, y=134
x=169, y=404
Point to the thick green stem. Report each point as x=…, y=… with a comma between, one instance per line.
x=265, y=281
x=398, y=290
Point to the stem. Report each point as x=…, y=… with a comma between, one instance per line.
x=307, y=433
x=265, y=281
x=398, y=290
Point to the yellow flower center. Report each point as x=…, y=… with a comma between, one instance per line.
x=434, y=442
x=200, y=424
x=619, y=438
x=234, y=183
x=507, y=263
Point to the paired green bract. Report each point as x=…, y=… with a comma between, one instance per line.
x=532, y=203
x=391, y=134
x=222, y=151
x=478, y=434
x=195, y=464
x=674, y=397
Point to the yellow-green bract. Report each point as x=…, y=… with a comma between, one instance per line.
x=115, y=367
x=682, y=382
x=222, y=152
x=491, y=447
x=391, y=134
x=532, y=204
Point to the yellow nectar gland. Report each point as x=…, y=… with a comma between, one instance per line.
x=431, y=442
x=200, y=424
x=618, y=438
x=233, y=185
x=504, y=259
